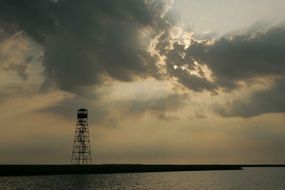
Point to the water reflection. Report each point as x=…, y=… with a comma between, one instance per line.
x=250, y=179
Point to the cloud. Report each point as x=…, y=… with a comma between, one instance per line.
x=34, y=17
x=87, y=44
x=193, y=82
x=243, y=57
x=110, y=112
x=231, y=59
x=173, y=46
x=259, y=102
x=227, y=63
x=87, y=41
x=11, y=61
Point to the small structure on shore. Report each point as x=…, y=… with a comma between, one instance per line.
x=81, y=153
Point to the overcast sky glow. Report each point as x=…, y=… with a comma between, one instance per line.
x=202, y=83
x=223, y=16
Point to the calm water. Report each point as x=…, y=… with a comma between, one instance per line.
x=249, y=179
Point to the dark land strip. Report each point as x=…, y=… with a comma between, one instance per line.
x=26, y=170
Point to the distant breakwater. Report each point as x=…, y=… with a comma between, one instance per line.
x=24, y=170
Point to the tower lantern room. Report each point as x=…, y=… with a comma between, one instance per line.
x=82, y=113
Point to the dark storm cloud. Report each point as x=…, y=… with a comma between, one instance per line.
x=233, y=59
x=176, y=60
x=263, y=101
x=33, y=16
x=3, y=35
x=243, y=57
x=193, y=82
x=86, y=40
x=89, y=41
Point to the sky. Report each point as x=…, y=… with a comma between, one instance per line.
x=165, y=81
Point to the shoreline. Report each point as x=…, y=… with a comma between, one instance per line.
x=29, y=170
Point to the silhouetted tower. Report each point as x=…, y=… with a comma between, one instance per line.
x=81, y=153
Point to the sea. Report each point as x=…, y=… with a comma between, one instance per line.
x=248, y=179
